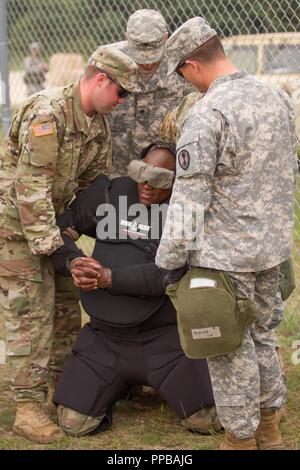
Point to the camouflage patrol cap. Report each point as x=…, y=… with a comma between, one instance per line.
x=117, y=64
x=146, y=36
x=186, y=39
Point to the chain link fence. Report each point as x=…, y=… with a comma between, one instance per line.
x=260, y=36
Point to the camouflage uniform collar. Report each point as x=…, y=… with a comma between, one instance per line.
x=79, y=117
x=158, y=80
x=96, y=127
x=226, y=78
x=162, y=73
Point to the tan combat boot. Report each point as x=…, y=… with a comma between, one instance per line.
x=50, y=407
x=205, y=421
x=32, y=423
x=268, y=436
x=230, y=442
x=281, y=414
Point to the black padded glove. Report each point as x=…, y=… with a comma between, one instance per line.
x=151, y=250
x=174, y=276
x=62, y=256
x=65, y=220
x=84, y=214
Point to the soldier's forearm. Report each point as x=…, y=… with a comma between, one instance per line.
x=43, y=245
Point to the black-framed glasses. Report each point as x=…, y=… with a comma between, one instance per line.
x=121, y=91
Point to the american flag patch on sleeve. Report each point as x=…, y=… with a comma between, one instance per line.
x=40, y=130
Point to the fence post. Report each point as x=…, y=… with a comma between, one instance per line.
x=4, y=99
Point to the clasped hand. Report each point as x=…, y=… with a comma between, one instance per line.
x=88, y=274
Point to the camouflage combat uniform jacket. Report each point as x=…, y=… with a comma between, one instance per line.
x=135, y=124
x=51, y=152
x=171, y=126
x=236, y=156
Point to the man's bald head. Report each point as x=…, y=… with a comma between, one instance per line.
x=161, y=157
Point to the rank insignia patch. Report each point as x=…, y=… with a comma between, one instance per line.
x=184, y=159
x=40, y=130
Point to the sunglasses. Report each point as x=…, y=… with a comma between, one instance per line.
x=177, y=70
x=121, y=91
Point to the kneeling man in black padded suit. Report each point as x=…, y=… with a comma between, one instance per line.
x=132, y=335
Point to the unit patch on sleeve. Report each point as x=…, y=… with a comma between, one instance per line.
x=40, y=130
x=184, y=159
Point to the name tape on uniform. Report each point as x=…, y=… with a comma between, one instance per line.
x=202, y=282
x=206, y=333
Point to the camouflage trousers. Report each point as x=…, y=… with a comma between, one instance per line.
x=251, y=377
x=42, y=319
x=67, y=324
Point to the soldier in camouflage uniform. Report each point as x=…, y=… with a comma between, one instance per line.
x=35, y=69
x=135, y=124
x=58, y=143
x=236, y=156
x=171, y=126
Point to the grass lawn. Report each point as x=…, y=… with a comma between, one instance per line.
x=157, y=429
